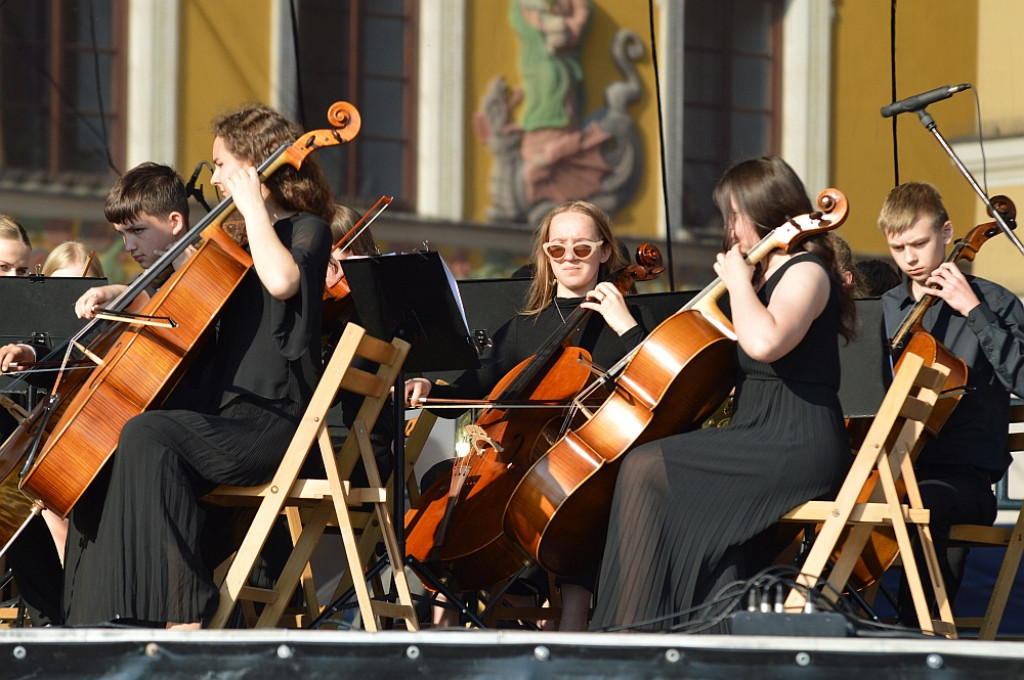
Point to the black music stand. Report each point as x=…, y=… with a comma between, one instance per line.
x=413, y=297
x=39, y=309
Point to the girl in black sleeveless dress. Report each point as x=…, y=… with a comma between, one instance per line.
x=688, y=509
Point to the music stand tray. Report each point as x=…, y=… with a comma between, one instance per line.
x=414, y=297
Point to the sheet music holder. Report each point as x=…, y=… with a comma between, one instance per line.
x=38, y=308
x=414, y=297
x=34, y=306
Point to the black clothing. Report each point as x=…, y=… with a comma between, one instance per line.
x=689, y=509
x=134, y=549
x=520, y=337
x=33, y=557
x=991, y=341
x=956, y=470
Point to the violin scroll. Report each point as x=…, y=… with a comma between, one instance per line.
x=967, y=247
x=343, y=115
x=1005, y=207
x=345, y=124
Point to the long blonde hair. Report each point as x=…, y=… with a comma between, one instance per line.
x=70, y=253
x=542, y=290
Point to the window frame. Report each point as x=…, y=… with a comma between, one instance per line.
x=57, y=170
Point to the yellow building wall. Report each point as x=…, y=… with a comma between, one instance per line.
x=1000, y=83
x=936, y=45
x=492, y=49
x=225, y=61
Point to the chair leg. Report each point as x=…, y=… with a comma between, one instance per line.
x=1004, y=583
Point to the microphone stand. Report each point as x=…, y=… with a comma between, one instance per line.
x=929, y=124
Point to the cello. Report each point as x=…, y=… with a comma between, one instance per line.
x=454, y=532
x=669, y=384
x=71, y=434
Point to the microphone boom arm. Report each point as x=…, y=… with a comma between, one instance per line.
x=929, y=124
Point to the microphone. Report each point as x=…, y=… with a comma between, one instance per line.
x=919, y=101
x=190, y=186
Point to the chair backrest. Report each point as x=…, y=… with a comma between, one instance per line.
x=373, y=384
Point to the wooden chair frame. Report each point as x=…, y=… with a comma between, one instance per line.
x=417, y=430
x=323, y=501
x=1010, y=538
x=888, y=449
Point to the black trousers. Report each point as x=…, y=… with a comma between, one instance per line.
x=960, y=494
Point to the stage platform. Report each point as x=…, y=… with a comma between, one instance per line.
x=453, y=654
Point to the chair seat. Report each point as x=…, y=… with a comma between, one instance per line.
x=979, y=536
x=871, y=497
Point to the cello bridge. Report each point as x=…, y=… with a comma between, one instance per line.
x=479, y=439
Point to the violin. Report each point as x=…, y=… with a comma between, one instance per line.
x=337, y=303
x=455, y=531
x=670, y=383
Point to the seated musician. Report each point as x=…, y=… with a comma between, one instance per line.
x=15, y=251
x=982, y=323
x=71, y=259
x=690, y=511
x=134, y=545
x=33, y=557
x=574, y=251
x=148, y=206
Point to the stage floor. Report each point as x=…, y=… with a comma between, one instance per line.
x=155, y=655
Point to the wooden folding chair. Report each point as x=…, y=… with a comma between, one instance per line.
x=1009, y=538
x=887, y=451
x=310, y=505
x=417, y=430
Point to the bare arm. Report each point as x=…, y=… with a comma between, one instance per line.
x=769, y=333
x=272, y=261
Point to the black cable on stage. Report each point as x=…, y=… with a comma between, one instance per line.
x=892, y=76
x=661, y=150
x=729, y=600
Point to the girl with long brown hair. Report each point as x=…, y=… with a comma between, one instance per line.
x=689, y=510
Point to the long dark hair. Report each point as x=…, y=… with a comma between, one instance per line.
x=254, y=132
x=770, y=193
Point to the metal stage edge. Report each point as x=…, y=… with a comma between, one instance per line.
x=312, y=654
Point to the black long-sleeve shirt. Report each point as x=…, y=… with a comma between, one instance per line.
x=991, y=341
x=521, y=337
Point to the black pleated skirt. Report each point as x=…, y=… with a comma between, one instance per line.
x=687, y=508
x=135, y=542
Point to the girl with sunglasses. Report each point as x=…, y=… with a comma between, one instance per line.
x=574, y=251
